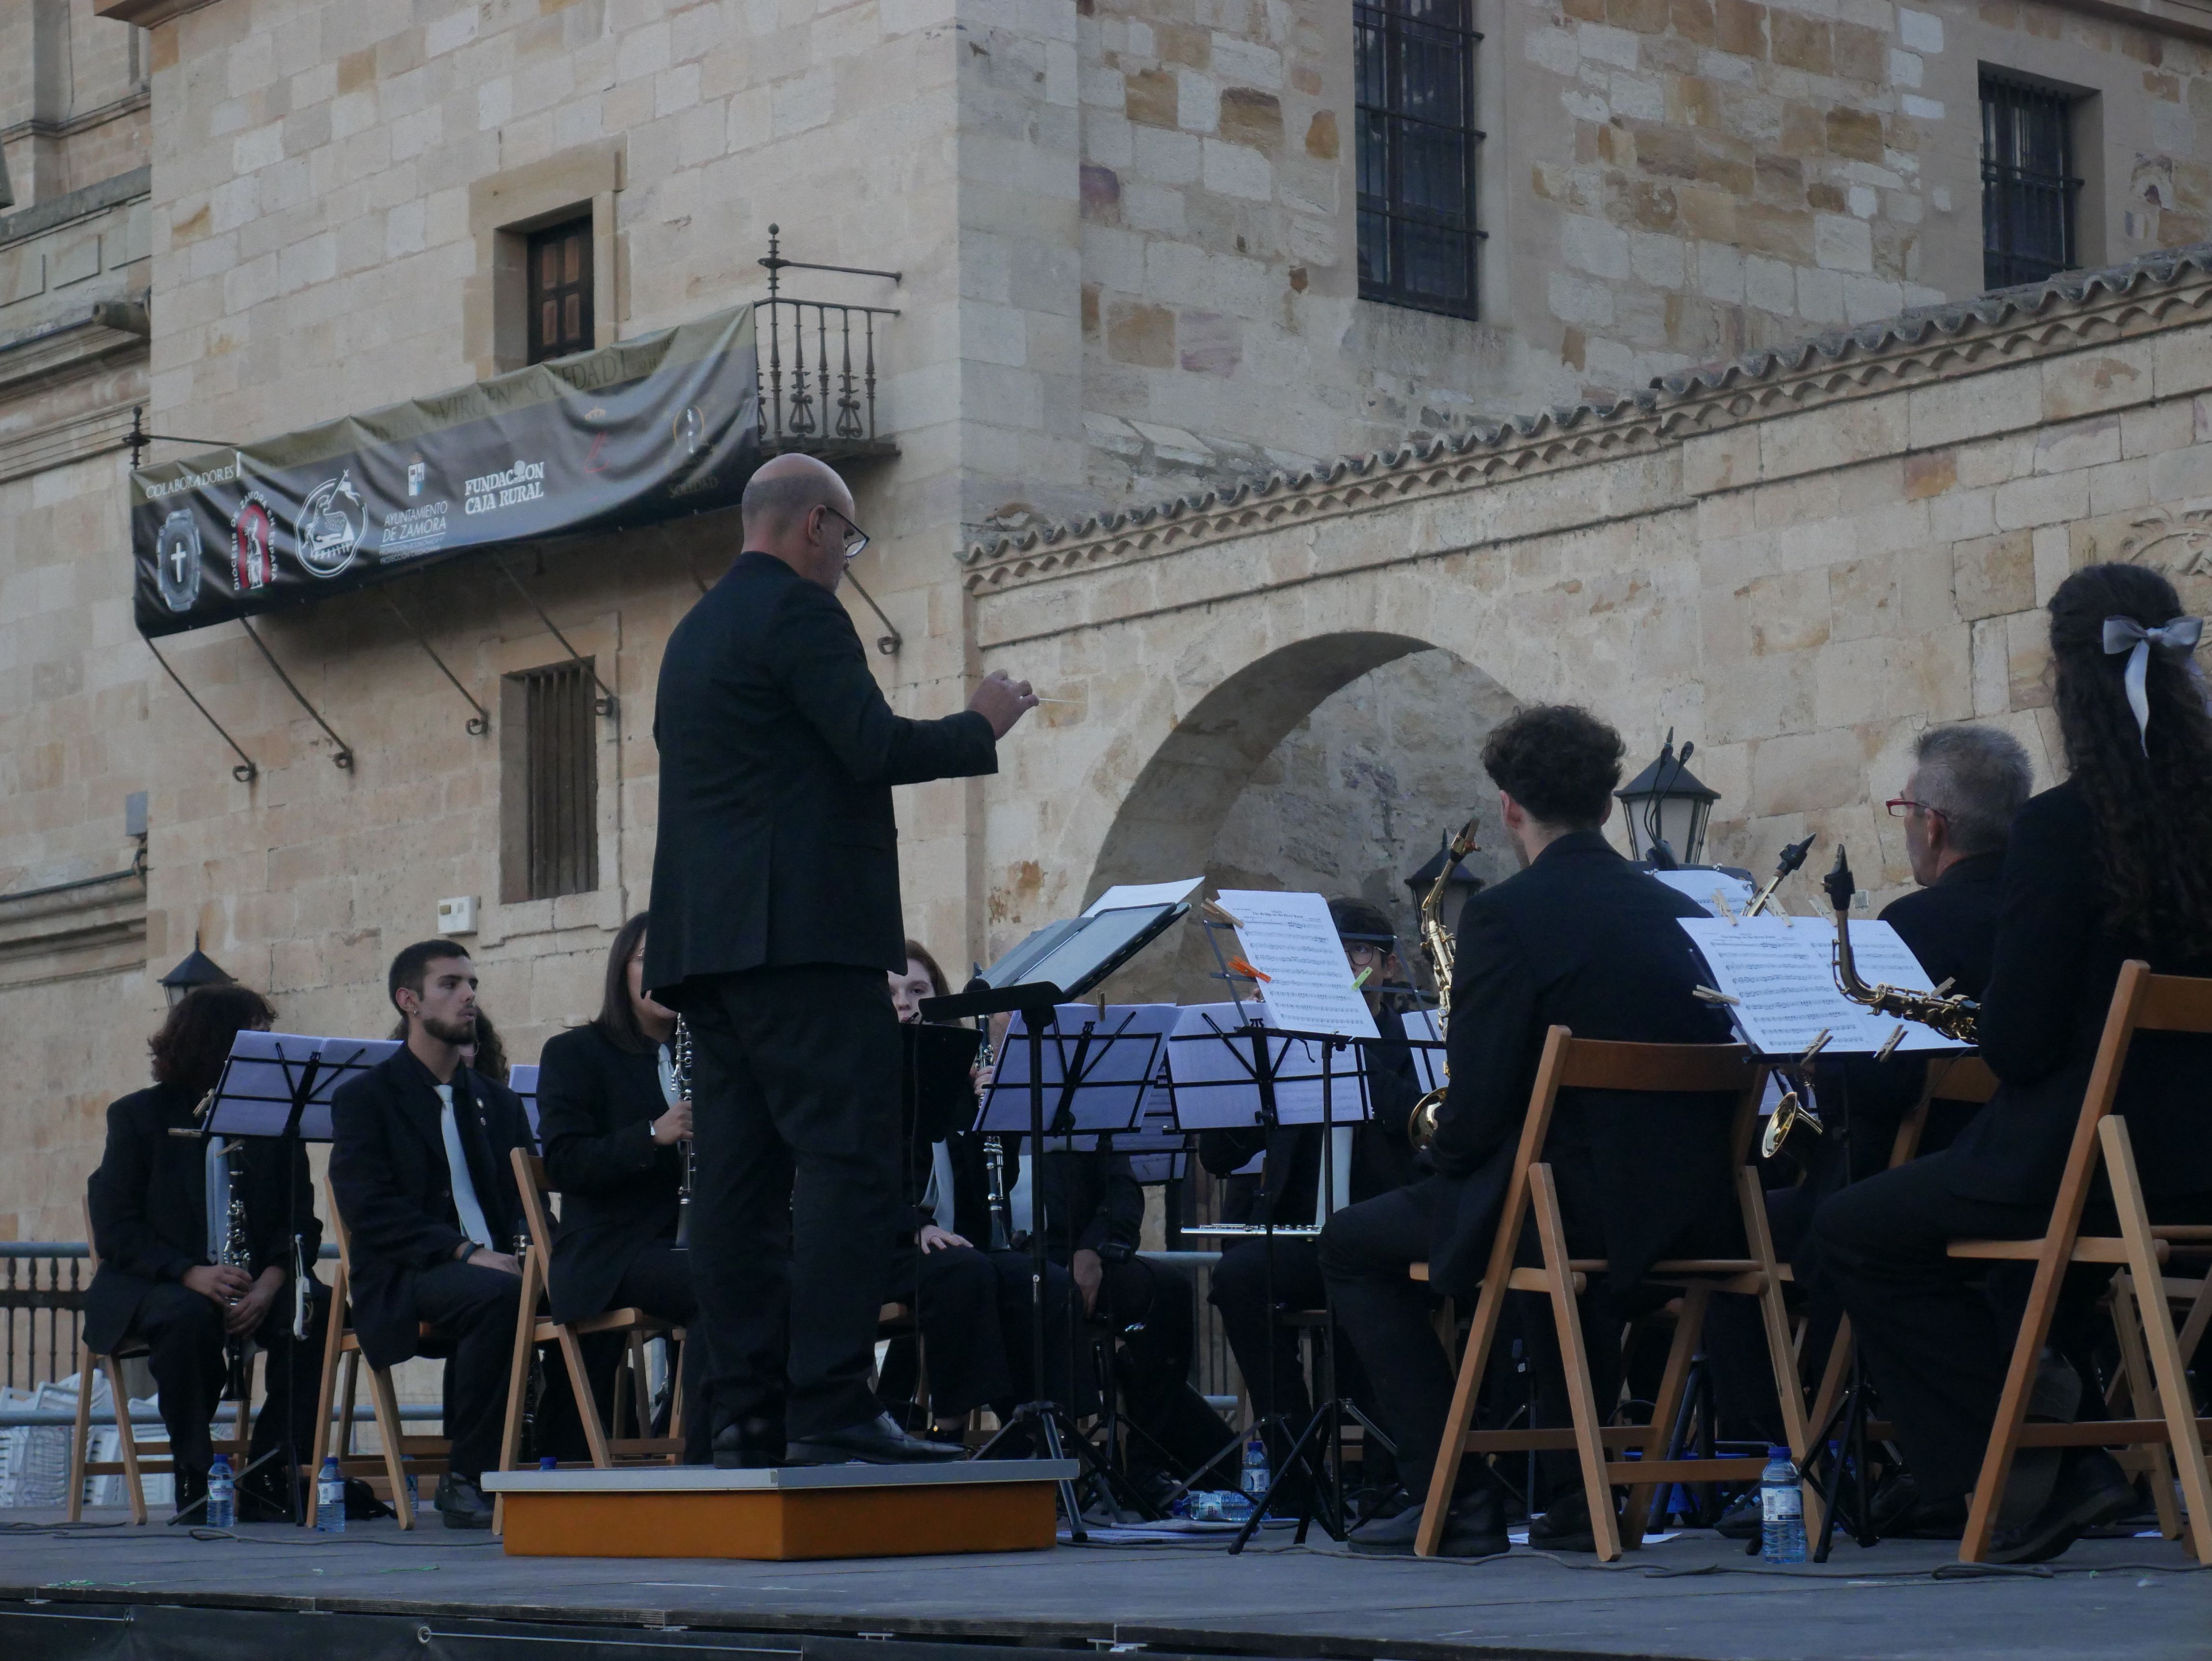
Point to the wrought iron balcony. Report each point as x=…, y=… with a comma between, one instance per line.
x=817, y=364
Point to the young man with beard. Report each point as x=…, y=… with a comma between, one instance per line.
x=419, y=1168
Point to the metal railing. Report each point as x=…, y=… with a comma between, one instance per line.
x=814, y=398
x=42, y=1285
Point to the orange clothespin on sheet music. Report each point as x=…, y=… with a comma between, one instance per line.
x=1246, y=969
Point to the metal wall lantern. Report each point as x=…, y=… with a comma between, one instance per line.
x=1461, y=885
x=194, y=970
x=1666, y=808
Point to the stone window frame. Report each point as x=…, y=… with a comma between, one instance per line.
x=504, y=208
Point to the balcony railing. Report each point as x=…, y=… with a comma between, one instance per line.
x=42, y=1285
x=817, y=378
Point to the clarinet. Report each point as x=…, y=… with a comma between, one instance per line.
x=676, y=1085
x=995, y=1149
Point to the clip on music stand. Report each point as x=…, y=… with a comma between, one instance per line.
x=277, y=1086
x=1053, y=966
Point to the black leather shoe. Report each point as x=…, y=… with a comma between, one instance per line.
x=192, y=1495
x=877, y=1441
x=462, y=1503
x=1565, y=1525
x=748, y=1444
x=1475, y=1528
x=2091, y=1490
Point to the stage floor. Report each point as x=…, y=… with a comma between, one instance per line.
x=1692, y=1595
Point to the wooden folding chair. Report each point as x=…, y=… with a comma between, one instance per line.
x=531, y=1329
x=1569, y=1062
x=2142, y=1002
x=135, y=1465
x=401, y=1456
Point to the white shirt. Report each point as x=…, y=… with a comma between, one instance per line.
x=464, y=1188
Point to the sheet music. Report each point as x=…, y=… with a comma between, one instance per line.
x=1290, y=938
x=1117, y=1065
x=1124, y=895
x=1420, y=1025
x=1703, y=886
x=1785, y=982
x=1210, y=1062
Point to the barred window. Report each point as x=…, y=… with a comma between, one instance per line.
x=549, y=787
x=1414, y=64
x=559, y=279
x=2028, y=185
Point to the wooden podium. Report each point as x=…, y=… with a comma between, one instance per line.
x=782, y=1514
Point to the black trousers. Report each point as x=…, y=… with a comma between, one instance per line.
x=954, y=1293
x=1364, y=1253
x=1152, y=1308
x=795, y=1095
x=1935, y=1344
x=659, y=1281
x=183, y=1333
x=478, y=1306
x=1260, y=1342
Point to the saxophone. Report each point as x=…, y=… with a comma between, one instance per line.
x=1437, y=945
x=1953, y=1017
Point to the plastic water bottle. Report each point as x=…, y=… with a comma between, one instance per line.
x=1255, y=1478
x=221, y=1495
x=329, y=1497
x=1782, y=1510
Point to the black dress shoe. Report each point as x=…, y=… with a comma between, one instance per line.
x=748, y=1444
x=1475, y=1528
x=462, y=1503
x=192, y=1494
x=2091, y=1490
x=877, y=1441
x=1565, y=1525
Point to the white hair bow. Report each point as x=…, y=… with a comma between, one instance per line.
x=2126, y=635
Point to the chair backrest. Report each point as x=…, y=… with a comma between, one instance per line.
x=1653, y=1068
x=1960, y=1078
x=91, y=1245
x=530, y=1183
x=341, y=1237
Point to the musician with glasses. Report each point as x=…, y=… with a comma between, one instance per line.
x=613, y=1131
x=2113, y=864
x=775, y=921
x=1377, y=1157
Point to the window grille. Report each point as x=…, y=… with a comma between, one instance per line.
x=552, y=845
x=559, y=278
x=1414, y=62
x=2028, y=186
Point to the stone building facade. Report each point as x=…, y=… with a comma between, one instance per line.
x=1126, y=235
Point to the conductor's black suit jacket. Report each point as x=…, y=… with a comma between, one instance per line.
x=395, y=1190
x=148, y=1205
x=621, y=1191
x=1582, y=939
x=2050, y=984
x=777, y=845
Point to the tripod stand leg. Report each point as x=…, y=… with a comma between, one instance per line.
x=1049, y=1428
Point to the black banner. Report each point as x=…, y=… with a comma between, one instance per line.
x=649, y=429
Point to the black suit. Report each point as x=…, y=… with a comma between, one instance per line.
x=775, y=915
x=1580, y=939
x=149, y=1224
x=1251, y=1272
x=621, y=1202
x=394, y=1188
x=1937, y=1349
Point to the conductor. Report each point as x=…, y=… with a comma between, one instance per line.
x=776, y=917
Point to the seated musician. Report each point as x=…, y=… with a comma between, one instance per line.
x=160, y=1278
x=1578, y=938
x=2115, y=863
x=972, y=1306
x=419, y=1164
x=612, y=1139
x=1379, y=1158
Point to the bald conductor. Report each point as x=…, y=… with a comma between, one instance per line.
x=775, y=915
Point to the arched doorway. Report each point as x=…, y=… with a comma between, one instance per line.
x=1333, y=764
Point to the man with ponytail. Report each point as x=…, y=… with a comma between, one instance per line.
x=2114, y=863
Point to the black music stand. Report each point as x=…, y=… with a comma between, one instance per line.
x=1055, y=965
x=277, y=1086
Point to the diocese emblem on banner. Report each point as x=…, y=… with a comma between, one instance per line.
x=252, y=545
x=329, y=526
x=177, y=560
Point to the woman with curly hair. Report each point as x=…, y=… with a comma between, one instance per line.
x=2113, y=864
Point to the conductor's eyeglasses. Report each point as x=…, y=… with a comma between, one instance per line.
x=855, y=537
x=1899, y=806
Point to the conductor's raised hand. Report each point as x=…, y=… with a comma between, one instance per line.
x=1002, y=701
